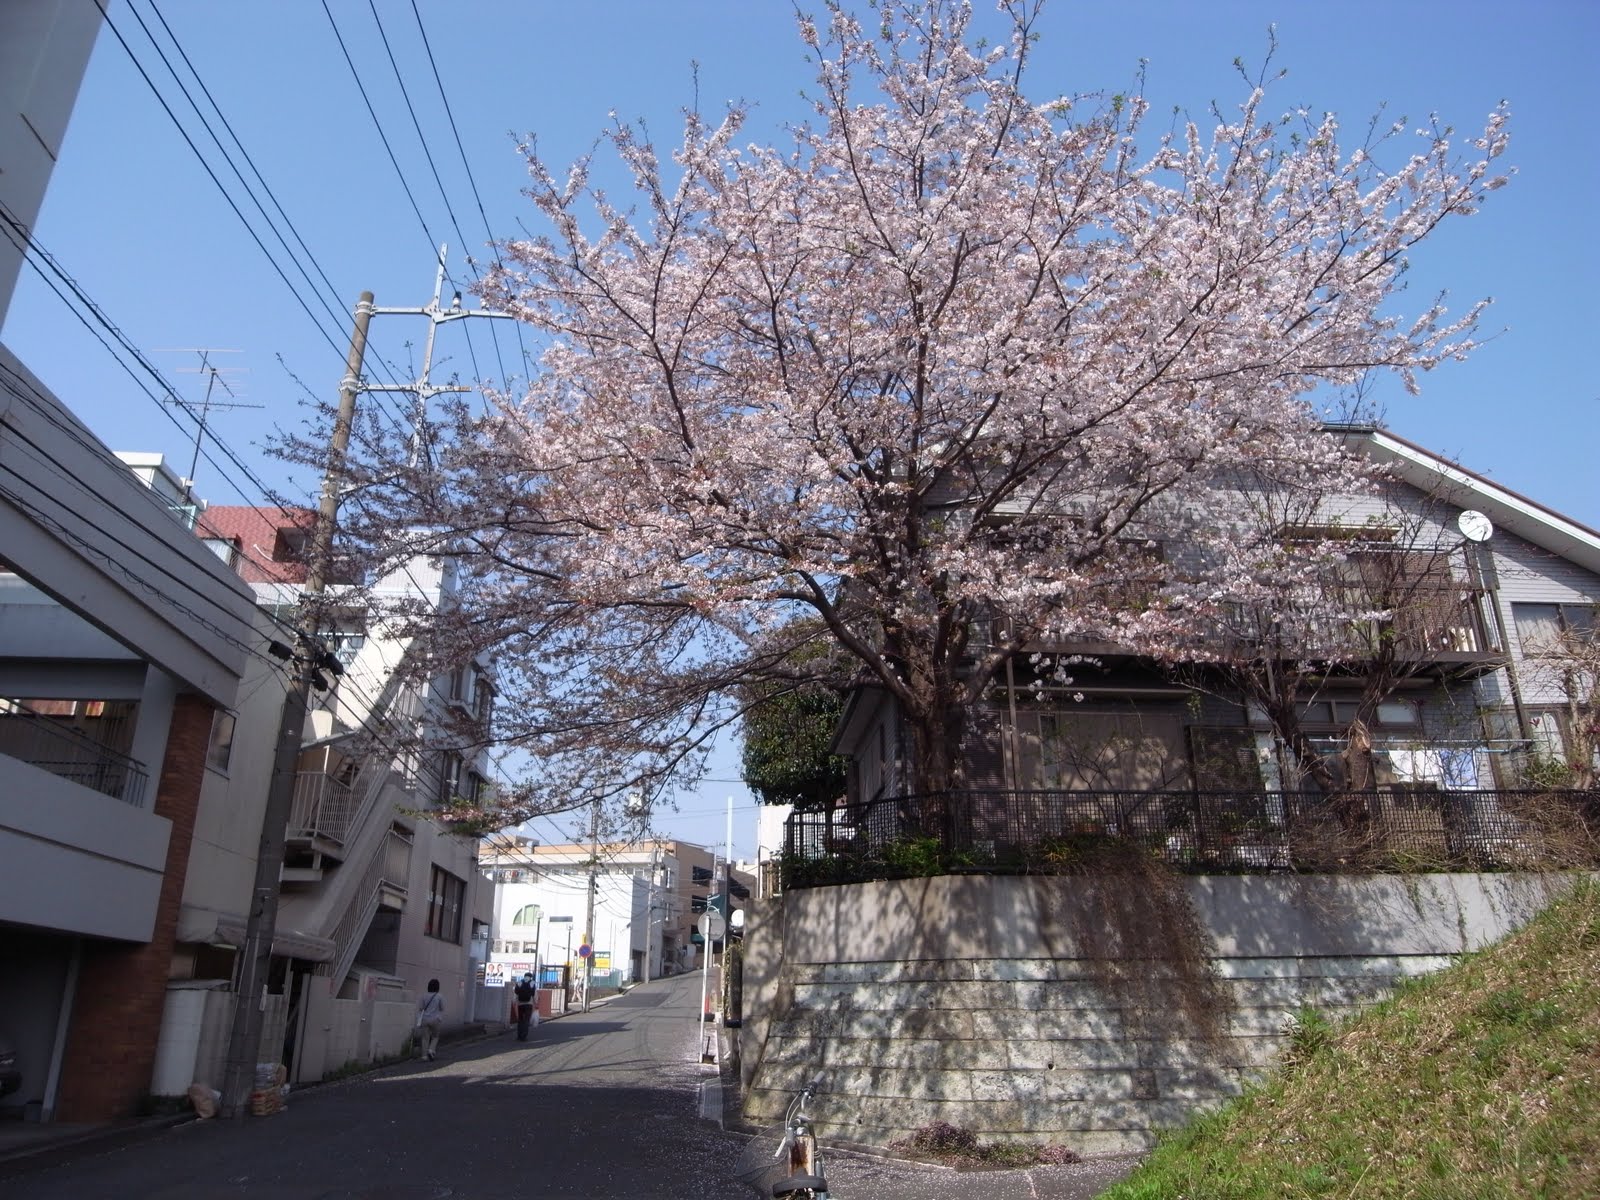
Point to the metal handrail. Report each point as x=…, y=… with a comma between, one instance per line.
x=378, y=872
x=44, y=743
x=328, y=808
x=320, y=801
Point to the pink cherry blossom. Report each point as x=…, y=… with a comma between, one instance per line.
x=917, y=392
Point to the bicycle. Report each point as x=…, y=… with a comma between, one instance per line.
x=794, y=1169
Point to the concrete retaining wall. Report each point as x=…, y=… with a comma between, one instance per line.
x=971, y=1000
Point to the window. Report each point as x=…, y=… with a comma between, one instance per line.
x=1339, y=714
x=1224, y=759
x=447, y=895
x=528, y=914
x=290, y=545
x=224, y=548
x=1545, y=629
x=220, y=748
x=345, y=643
x=482, y=700
x=1398, y=713
x=1106, y=747
x=450, y=768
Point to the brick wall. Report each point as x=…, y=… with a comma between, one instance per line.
x=116, y=1015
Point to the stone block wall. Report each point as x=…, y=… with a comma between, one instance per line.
x=966, y=1000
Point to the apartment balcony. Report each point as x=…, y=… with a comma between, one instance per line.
x=51, y=746
x=320, y=819
x=1446, y=634
x=331, y=803
x=1406, y=828
x=83, y=854
x=1440, y=632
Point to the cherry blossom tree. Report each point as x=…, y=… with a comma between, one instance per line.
x=904, y=397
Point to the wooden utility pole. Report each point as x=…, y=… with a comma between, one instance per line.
x=588, y=920
x=308, y=656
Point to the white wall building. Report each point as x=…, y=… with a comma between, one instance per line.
x=376, y=898
x=644, y=901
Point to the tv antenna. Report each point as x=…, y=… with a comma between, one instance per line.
x=215, y=376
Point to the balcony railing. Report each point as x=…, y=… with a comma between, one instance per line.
x=327, y=807
x=1440, y=626
x=323, y=806
x=1000, y=832
x=50, y=746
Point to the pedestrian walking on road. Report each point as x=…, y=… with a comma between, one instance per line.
x=430, y=1016
x=525, y=993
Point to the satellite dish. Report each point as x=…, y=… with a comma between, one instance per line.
x=1474, y=526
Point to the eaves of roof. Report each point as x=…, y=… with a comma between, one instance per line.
x=1455, y=484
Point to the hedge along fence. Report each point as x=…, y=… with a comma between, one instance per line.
x=1052, y=832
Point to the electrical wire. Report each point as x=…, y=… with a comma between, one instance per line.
x=210, y=172
x=217, y=108
x=34, y=251
x=333, y=308
x=471, y=179
x=24, y=240
x=427, y=153
x=433, y=243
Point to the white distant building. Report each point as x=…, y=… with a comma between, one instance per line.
x=645, y=901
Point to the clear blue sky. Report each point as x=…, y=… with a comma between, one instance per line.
x=133, y=216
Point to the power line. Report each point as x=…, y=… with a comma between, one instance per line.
x=378, y=125
x=24, y=240
x=226, y=156
x=405, y=94
x=327, y=283
x=334, y=308
x=471, y=180
x=184, y=133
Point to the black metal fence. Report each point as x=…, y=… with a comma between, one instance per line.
x=995, y=831
x=53, y=747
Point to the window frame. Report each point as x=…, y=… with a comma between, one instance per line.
x=1566, y=623
x=213, y=740
x=452, y=770
x=447, y=902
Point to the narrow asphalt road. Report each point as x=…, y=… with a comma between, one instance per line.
x=596, y=1105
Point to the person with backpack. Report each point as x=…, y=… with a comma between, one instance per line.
x=525, y=992
x=430, y=1016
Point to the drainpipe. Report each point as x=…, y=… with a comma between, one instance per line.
x=1487, y=575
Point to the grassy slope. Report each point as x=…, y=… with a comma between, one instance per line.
x=1480, y=1082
